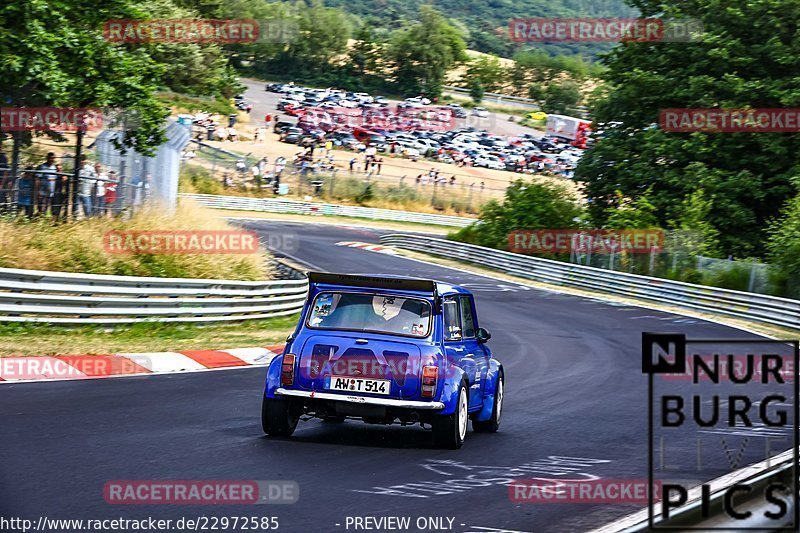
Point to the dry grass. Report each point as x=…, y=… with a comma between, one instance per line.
x=80, y=247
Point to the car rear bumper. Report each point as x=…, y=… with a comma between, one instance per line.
x=367, y=400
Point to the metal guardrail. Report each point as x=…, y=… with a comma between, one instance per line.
x=67, y=298
x=741, y=305
x=581, y=110
x=272, y=205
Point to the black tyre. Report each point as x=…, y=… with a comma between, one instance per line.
x=450, y=431
x=493, y=424
x=278, y=417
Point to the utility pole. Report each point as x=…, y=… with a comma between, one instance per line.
x=78, y=163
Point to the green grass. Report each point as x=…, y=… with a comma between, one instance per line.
x=20, y=339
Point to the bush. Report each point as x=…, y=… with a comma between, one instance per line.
x=527, y=205
x=784, y=249
x=198, y=180
x=736, y=278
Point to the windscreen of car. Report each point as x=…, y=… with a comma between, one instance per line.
x=379, y=313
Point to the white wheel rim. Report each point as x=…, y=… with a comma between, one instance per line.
x=499, y=399
x=462, y=414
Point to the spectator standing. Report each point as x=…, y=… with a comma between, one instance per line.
x=100, y=191
x=256, y=171
x=60, y=194
x=111, y=192
x=221, y=132
x=26, y=192
x=241, y=167
x=6, y=183
x=352, y=164
x=46, y=173
x=86, y=182
x=276, y=184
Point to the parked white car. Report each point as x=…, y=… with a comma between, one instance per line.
x=480, y=112
x=489, y=161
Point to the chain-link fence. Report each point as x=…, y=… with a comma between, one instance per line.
x=53, y=189
x=328, y=176
x=680, y=258
x=107, y=182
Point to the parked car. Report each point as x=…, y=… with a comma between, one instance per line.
x=480, y=112
x=282, y=126
x=282, y=103
x=489, y=161
x=386, y=350
x=346, y=140
x=293, y=135
x=294, y=110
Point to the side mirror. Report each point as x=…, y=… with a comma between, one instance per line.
x=482, y=335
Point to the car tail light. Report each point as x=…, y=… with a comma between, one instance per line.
x=429, y=377
x=287, y=369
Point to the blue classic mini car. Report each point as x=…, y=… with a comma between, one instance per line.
x=386, y=350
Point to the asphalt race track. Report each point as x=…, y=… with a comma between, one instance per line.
x=574, y=388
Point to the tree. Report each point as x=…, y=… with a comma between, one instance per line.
x=559, y=97
x=423, y=54
x=746, y=58
x=476, y=91
x=487, y=71
x=190, y=68
x=317, y=34
x=365, y=54
x=527, y=205
x=783, y=246
x=693, y=218
x=631, y=213
x=54, y=55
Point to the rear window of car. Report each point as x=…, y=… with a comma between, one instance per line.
x=370, y=312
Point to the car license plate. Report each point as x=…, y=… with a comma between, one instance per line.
x=371, y=386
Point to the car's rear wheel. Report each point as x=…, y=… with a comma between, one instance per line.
x=451, y=430
x=278, y=417
x=492, y=425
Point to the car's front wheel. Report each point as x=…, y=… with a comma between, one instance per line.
x=278, y=418
x=492, y=425
x=451, y=430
